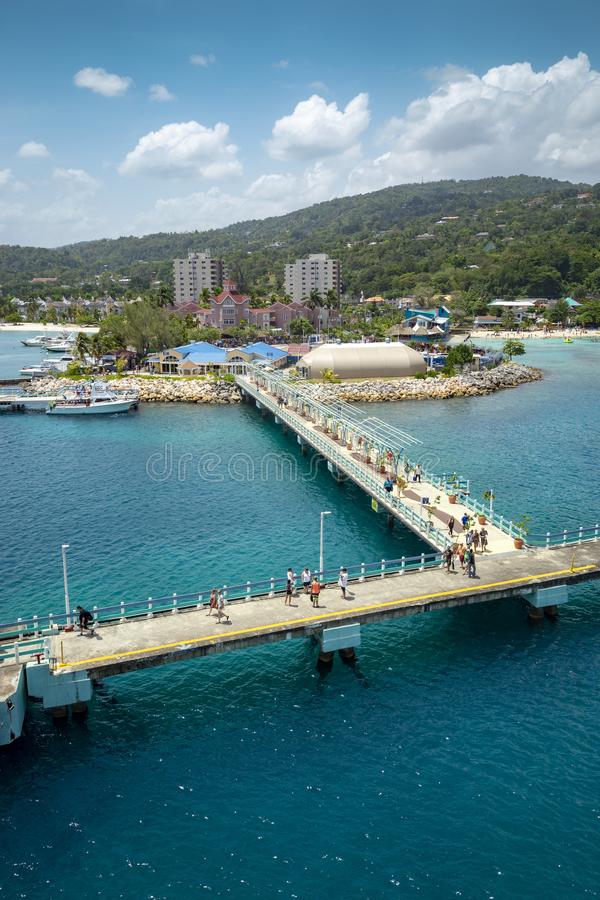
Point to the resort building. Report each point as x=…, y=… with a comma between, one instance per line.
x=520, y=309
x=423, y=325
x=194, y=274
x=317, y=273
x=229, y=308
x=377, y=360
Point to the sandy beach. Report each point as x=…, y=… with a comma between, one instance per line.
x=37, y=326
x=538, y=334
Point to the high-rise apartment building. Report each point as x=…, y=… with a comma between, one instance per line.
x=195, y=273
x=317, y=273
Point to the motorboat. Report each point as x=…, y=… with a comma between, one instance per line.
x=93, y=399
x=48, y=367
x=62, y=343
x=38, y=341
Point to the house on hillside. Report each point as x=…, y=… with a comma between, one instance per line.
x=423, y=325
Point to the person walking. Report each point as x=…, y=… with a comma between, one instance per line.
x=306, y=579
x=451, y=524
x=465, y=521
x=86, y=619
x=343, y=581
x=461, y=556
x=469, y=539
x=418, y=472
x=471, y=566
x=221, y=604
x=449, y=558
x=315, y=590
x=483, y=539
x=388, y=485
x=475, y=540
x=213, y=601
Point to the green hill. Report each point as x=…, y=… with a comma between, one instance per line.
x=505, y=236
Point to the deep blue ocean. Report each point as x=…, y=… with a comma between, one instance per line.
x=459, y=758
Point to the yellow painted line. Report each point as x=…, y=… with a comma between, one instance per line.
x=471, y=589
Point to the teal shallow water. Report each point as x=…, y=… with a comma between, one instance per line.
x=458, y=759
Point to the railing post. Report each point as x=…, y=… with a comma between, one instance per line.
x=122, y=611
x=547, y=540
x=35, y=626
x=47, y=647
x=225, y=592
x=272, y=591
x=17, y=657
x=199, y=604
x=383, y=568
x=149, y=614
x=362, y=572
x=20, y=620
x=565, y=538
x=174, y=611
x=422, y=567
x=596, y=531
x=510, y=528
x=402, y=565
x=580, y=534
x=95, y=614
x=50, y=621
x=248, y=591
x=501, y=523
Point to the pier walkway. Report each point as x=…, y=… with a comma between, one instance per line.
x=368, y=451
x=144, y=642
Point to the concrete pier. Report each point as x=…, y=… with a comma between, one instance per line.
x=145, y=642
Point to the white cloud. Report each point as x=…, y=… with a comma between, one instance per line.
x=319, y=86
x=203, y=59
x=268, y=195
x=31, y=150
x=161, y=94
x=6, y=177
x=281, y=64
x=317, y=128
x=102, y=82
x=76, y=180
x=184, y=149
x=511, y=119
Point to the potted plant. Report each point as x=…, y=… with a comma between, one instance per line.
x=523, y=525
x=454, y=486
x=481, y=519
x=382, y=465
x=401, y=483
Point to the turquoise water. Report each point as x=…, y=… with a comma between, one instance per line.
x=458, y=758
x=13, y=355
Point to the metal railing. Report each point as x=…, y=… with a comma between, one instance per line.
x=41, y=626
x=565, y=538
x=358, y=472
x=21, y=651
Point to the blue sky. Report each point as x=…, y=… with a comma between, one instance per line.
x=145, y=115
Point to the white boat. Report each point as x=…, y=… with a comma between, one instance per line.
x=48, y=367
x=62, y=343
x=94, y=399
x=37, y=341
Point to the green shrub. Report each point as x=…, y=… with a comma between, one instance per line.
x=431, y=373
x=421, y=375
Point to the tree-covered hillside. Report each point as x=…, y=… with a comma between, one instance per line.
x=495, y=236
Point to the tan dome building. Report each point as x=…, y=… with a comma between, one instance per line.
x=380, y=360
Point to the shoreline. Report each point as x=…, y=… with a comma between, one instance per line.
x=538, y=335
x=50, y=326
x=472, y=384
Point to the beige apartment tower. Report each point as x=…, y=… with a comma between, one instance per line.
x=317, y=273
x=195, y=273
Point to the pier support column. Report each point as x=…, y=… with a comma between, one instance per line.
x=545, y=602
x=390, y=520
x=79, y=709
x=347, y=655
x=59, y=713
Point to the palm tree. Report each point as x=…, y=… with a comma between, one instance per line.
x=82, y=345
x=96, y=348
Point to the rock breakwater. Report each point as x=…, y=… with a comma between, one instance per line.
x=154, y=390
x=473, y=384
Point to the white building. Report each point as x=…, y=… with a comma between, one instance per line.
x=520, y=309
x=317, y=273
x=195, y=273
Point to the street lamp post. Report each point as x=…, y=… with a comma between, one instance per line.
x=65, y=547
x=321, y=560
